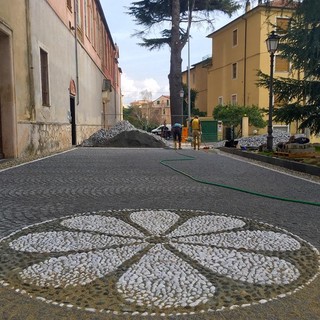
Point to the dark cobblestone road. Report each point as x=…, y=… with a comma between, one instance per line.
x=87, y=179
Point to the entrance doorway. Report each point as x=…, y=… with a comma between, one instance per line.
x=7, y=107
x=1, y=152
x=73, y=120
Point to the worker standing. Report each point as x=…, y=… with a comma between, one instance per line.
x=196, y=132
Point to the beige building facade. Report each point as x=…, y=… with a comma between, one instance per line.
x=59, y=75
x=161, y=107
x=155, y=112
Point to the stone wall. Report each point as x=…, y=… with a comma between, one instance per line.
x=42, y=138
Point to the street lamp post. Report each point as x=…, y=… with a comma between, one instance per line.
x=272, y=43
x=181, y=96
x=189, y=90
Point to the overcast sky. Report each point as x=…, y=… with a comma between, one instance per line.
x=144, y=69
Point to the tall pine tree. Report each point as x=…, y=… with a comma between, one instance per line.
x=174, y=21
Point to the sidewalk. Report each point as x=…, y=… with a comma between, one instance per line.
x=109, y=233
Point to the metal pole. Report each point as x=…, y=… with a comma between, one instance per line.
x=76, y=48
x=189, y=94
x=270, y=137
x=182, y=109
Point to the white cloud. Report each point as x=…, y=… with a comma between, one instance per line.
x=132, y=89
x=152, y=86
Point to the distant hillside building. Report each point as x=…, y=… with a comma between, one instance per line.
x=161, y=107
x=156, y=111
x=59, y=75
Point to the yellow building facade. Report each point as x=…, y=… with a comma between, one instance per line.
x=199, y=82
x=239, y=51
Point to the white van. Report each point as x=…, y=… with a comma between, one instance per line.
x=159, y=131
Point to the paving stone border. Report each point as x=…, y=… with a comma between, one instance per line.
x=284, y=163
x=156, y=262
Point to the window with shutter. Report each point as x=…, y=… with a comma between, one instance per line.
x=235, y=37
x=44, y=77
x=282, y=25
x=281, y=64
x=234, y=71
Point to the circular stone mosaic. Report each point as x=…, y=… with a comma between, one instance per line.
x=155, y=262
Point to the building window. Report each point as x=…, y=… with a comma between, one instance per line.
x=235, y=37
x=282, y=25
x=86, y=18
x=168, y=103
x=281, y=64
x=234, y=71
x=158, y=102
x=69, y=5
x=276, y=101
x=220, y=101
x=234, y=99
x=44, y=77
x=79, y=14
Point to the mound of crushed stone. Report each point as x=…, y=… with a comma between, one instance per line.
x=258, y=140
x=124, y=135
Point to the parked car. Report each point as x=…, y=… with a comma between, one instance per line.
x=165, y=133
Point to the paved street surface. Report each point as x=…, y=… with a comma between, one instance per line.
x=108, y=233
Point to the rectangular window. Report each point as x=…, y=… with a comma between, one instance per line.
x=234, y=71
x=234, y=99
x=282, y=25
x=44, y=77
x=220, y=101
x=69, y=5
x=276, y=101
x=281, y=64
x=79, y=22
x=86, y=24
x=235, y=37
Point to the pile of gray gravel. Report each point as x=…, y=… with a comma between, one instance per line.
x=124, y=135
x=258, y=140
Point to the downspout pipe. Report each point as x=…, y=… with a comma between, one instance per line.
x=76, y=48
x=115, y=93
x=189, y=90
x=30, y=63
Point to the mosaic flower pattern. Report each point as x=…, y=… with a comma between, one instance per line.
x=164, y=277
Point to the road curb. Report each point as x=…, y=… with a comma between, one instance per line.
x=292, y=165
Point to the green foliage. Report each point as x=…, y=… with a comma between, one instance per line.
x=193, y=97
x=134, y=116
x=232, y=114
x=150, y=13
x=300, y=98
x=130, y=114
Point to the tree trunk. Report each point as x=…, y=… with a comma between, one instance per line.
x=175, y=80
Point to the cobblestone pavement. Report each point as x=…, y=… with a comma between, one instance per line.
x=106, y=233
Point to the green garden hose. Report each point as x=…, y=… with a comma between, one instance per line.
x=188, y=158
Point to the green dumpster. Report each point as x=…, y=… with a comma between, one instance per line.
x=209, y=129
